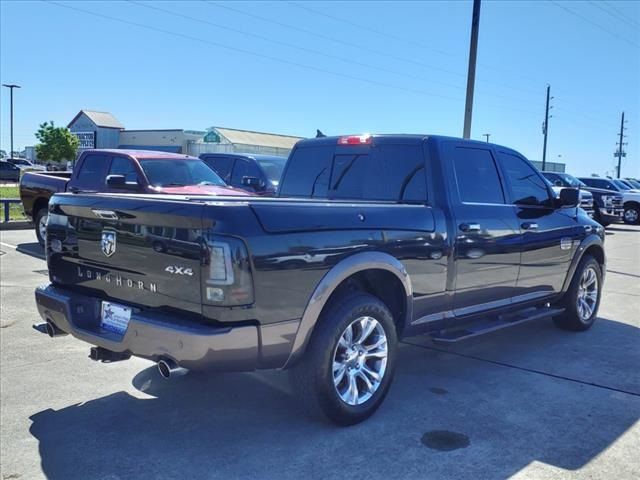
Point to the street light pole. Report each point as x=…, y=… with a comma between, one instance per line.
x=11, y=87
x=486, y=135
x=471, y=75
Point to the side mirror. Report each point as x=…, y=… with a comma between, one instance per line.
x=569, y=198
x=119, y=181
x=253, y=182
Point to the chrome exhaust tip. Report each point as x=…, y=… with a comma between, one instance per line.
x=169, y=368
x=50, y=329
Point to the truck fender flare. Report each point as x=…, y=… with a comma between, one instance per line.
x=589, y=241
x=332, y=279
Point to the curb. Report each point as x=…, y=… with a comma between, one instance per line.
x=16, y=225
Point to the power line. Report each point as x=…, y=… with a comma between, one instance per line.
x=369, y=29
x=350, y=61
x=356, y=45
x=252, y=53
x=407, y=41
x=613, y=14
x=313, y=51
x=622, y=14
x=597, y=25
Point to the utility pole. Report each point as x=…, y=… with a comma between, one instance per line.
x=11, y=87
x=620, y=152
x=486, y=135
x=545, y=128
x=471, y=74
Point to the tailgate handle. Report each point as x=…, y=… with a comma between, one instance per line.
x=106, y=214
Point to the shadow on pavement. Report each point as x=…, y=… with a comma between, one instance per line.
x=33, y=249
x=248, y=425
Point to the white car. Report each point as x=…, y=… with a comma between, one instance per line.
x=24, y=165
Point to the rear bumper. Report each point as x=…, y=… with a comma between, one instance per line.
x=153, y=335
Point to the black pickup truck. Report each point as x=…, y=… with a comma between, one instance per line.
x=372, y=239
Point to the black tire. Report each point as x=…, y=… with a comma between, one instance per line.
x=313, y=376
x=572, y=319
x=632, y=214
x=43, y=212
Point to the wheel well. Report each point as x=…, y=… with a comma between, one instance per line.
x=596, y=252
x=381, y=284
x=38, y=204
x=631, y=203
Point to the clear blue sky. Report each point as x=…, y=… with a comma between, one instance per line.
x=378, y=67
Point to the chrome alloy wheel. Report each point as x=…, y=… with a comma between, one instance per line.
x=360, y=360
x=631, y=215
x=42, y=226
x=587, y=294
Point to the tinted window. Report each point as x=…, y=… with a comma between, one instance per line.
x=124, y=166
x=387, y=172
x=222, y=166
x=176, y=173
x=554, y=178
x=308, y=172
x=527, y=188
x=272, y=167
x=477, y=176
x=244, y=168
x=92, y=172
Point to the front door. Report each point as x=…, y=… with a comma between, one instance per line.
x=548, y=233
x=486, y=251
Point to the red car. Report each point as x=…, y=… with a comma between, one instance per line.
x=118, y=171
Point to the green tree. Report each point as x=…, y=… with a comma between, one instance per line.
x=56, y=143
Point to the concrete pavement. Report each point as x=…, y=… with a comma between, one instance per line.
x=528, y=402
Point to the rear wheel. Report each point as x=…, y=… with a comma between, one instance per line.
x=582, y=300
x=348, y=366
x=40, y=221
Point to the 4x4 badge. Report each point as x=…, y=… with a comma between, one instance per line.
x=108, y=243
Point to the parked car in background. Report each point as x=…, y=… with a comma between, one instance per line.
x=630, y=198
x=372, y=239
x=634, y=182
x=626, y=185
x=131, y=171
x=559, y=181
x=259, y=174
x=9, y=172
x=24, y=164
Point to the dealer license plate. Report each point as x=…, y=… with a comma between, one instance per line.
x=114, y=317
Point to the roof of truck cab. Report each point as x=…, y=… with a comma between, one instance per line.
x=142, y=154
x=388, y=138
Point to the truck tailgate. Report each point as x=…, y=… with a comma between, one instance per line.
x=140, y=251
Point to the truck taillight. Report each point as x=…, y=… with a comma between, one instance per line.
x=228, y=281
x=355, y=140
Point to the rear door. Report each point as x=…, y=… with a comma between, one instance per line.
x=135, y=250
x=547, y=232
x=486, y=250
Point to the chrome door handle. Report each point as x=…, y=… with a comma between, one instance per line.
x=529, y=226
x=470, y=227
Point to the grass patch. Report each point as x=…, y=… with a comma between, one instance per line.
x=15, y=210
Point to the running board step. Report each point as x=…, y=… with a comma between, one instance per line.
x=493, y=324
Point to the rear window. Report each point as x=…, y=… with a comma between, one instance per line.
x=386, y=172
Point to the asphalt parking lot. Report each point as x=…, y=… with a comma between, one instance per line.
x=528, y=402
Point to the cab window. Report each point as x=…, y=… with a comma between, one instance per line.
x=477, y=176
x=526, y=185
x=124, y=166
